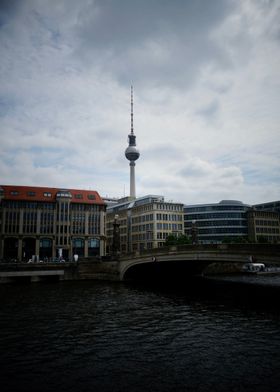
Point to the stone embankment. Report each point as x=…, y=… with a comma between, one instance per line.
x=98, y=270
x=37, y=272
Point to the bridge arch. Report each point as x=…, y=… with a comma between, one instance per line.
x=126, y=266
x=157, y=269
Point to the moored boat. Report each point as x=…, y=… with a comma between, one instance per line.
x=260, y=269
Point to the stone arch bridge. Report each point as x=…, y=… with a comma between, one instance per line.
x=194, y=259
x=178, y=262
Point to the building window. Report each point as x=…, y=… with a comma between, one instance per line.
x=31, y=193
x=93, y=243
x=45, y=243
x=91, y=197
x=14, y=193
x=47, y=194
x=78, y=196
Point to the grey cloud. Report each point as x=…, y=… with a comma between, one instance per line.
x=150, y=42
x=108, y=25
x=159, y=151
x=210, y=110
x=194, y=169
x=7, y=10
x=155, y=42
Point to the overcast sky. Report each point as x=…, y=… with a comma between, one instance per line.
x=206, y=96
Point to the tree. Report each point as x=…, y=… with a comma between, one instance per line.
x=174, y=240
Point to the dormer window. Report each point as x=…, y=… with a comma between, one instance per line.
x=64, y=193
x=91, y=197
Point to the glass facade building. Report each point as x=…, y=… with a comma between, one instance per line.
x=216, y=222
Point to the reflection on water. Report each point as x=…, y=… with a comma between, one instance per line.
x=98, y=336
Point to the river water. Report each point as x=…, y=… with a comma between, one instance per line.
x=100, y=336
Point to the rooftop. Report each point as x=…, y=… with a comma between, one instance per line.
x=46, y=194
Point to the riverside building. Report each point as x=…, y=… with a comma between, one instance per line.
x=50, y=222
x=269, y=206
x=144, y=223
x=264, y=222
x=215, y=222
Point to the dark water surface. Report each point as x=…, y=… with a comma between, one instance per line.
x=98, y=336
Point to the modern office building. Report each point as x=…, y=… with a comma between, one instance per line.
x=50, y=222
x=263, y=225
x=144, y=223
x=216, y=222
x=264, y=222
x=269, y=206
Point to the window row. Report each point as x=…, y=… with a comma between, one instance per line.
x=170, y=217
x=217, y=223
x=262, y=222
x=169, y=207
x=222, y=215
x=169, y=226
x=142, y=237
x=267, y=230
x=162, y=235
x=142, y=218
x=215, y=208
x=146, y=227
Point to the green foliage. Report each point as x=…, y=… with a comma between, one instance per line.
x=180, y=240
x=183, y=240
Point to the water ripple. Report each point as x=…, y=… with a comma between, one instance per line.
x=112, y=337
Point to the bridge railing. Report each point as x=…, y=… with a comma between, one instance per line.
x=254, y=249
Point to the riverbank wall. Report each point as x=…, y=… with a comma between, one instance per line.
x=39, y=272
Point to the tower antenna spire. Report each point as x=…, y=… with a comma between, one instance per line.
x=131, y=112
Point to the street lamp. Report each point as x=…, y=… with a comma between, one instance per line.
x=116, y=236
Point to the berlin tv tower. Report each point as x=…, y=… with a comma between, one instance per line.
x=131, y=153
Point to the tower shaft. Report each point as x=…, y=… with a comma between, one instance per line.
x=132, y=179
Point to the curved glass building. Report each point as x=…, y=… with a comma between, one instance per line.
x=215, y=222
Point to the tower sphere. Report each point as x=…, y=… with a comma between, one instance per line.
x=132, y=153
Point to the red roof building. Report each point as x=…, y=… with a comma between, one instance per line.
x=32, y=193
x=50, y=223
